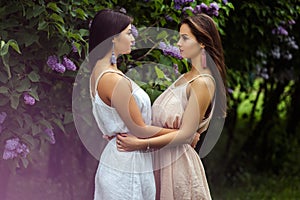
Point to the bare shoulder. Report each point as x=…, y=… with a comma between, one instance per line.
x=203, y=83
x=112, y=78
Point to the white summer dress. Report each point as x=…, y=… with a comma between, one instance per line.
x=122, y=175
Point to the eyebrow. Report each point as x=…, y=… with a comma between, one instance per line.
x=184, y=34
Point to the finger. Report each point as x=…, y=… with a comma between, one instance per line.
x=177, y=122
x=166, y=125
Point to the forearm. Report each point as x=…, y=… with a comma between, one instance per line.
x=171, y=139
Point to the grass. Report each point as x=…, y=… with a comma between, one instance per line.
x=260, y=187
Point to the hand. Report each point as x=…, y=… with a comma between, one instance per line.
x=127, y=142
x=108, y=138
x=195, y=140
x=175, y=124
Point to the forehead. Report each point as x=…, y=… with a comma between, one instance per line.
x=128, y=27
x=185, y=30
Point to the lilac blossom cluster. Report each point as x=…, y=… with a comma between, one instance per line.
x=211, y=10
x=134, y=31
x=3, y=116
x=50, y=134
x=29, y=100
x=55, y=65
x=14, y=148
x=281, y=29
x=179, y=3
x=175, y=67
x=170, y=50
x=74, y=48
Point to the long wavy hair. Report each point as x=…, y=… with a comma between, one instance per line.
x=204, y=29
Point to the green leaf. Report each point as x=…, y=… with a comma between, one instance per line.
x=14, y=45
x=59, y=124
x=33, y=76
x=57, y=18
x=162, y=35
x=3, y=90
x=4, y=49
x=23, y=85
x=42, y=25
x=29, y=139
x=68, y=117
x=35, y=129
x=14, y=100
x=25, y=162
x=159, y=73
x=34, y=94
x=81, y=13
x=46, y=123
x=53, y=6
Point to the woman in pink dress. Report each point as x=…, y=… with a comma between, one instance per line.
x=189, y=103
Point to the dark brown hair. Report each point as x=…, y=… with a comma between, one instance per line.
x=204, y=29
x=106, y=24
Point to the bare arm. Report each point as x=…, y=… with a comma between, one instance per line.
x=115, y=90
x=200, y=95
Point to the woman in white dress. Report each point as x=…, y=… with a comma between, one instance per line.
x=188, y=103
x=119, y=105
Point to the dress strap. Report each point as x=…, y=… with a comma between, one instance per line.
x=203, y=75
x=98, y=78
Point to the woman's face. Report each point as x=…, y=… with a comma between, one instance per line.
x=188, y=45
x=124, y=41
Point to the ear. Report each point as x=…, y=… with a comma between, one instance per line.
x=202, y=45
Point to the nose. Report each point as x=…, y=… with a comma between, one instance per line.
x=132, y=38
x=179, y=43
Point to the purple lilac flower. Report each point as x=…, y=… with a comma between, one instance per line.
x=52, y=61
x=50, y=133
x=175, y=67
x=13, y=148
x=291, y=43
x=12, y=144
x=203, y=8
x=179, y=3
x=134, y=31
x=264, y=73
x=9, y=154
x=123, y=10
x=280, y=31
x=276, y=52
x=213, y=9
x=291, y=22
x=74, y=48
x=3, y=115
x=225, y=1
x=230, y=91
x=1, y=129
x=29, y=100
x=168, y=18
x=59, y=68
x=288, y=56
x=188, y=8
x=170, y=50
x=69, y=64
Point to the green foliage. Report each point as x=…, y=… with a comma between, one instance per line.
x=31, y=31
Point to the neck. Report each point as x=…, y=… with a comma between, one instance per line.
x=196, y=64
